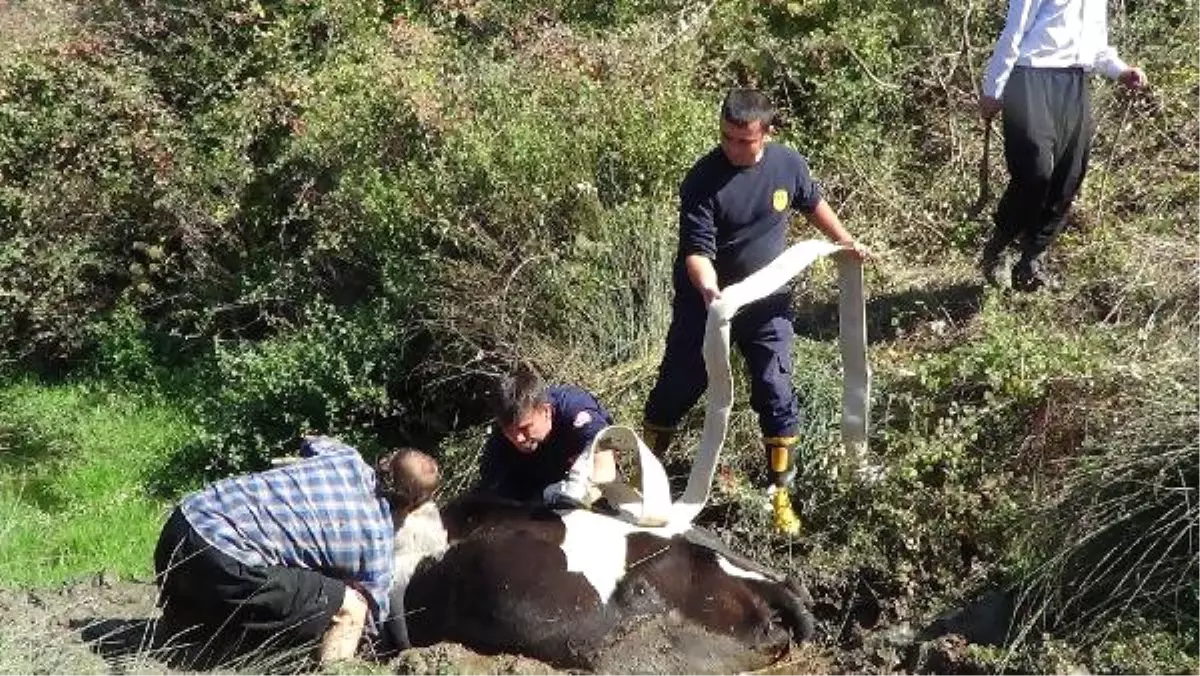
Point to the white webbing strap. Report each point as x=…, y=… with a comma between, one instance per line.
x=654, y=507
x=856, y=370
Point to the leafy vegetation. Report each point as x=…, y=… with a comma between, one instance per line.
x=226, y=222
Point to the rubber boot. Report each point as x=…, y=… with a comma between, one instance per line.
x=991, y=261
x=1029, y=274
x=781, y=453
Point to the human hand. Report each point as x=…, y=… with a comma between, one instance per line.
x=710, y=294
x=570, y=493
x=858, y=251
x=1133, y=78
x=988, y=106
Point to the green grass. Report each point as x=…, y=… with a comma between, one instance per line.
x=74, y=462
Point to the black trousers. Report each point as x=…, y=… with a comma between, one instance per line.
x=1047, y=139
x=204, y=591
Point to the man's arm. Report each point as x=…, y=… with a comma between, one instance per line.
x=824, y=219
x=1004, y=55
x=589, y=466
x=596, y=420
x=1107, y=61
x=698, y=239
x=703, y=276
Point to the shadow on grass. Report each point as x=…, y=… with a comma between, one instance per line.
x=19, y=449
x=890, y=316
x=186, y=469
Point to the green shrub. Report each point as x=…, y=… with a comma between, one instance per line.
x=84, y=155
x=327, y=376
x=1117, y=535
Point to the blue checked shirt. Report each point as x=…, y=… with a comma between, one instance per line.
x=321, y=513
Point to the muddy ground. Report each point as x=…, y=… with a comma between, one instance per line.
x=104, y=625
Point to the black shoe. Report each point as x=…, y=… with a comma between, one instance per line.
x=1028, y=276
x=990, y=264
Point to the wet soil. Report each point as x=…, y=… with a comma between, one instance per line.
x=104, y=625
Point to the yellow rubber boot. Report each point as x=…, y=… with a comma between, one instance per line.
x=786, y=521
x=780, y=456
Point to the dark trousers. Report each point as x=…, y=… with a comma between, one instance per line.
x=1047, y=138
x=203, y=590
x=762, y=332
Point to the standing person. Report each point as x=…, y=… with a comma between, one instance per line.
x=537, y=449
x=1038, y=76
x=294, y=555
x=733, y=219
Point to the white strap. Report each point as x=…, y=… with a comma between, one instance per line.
x=856, y=371
x=654, y=507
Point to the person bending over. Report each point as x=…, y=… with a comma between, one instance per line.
x=540, y=442
x=297, y=555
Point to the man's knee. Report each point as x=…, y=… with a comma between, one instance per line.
x=772, y=394
x=680, y=383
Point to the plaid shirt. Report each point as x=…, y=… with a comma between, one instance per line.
x=321, y=513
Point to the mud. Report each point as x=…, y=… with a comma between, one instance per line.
x=107, y=626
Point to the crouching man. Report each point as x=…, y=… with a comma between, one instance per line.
x=298, y=555
x=539, y=449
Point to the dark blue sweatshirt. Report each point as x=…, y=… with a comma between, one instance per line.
x=576, y=418
x=738, y=216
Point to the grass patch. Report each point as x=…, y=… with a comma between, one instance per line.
x=74, y=461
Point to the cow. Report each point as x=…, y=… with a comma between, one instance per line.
x=581, y=589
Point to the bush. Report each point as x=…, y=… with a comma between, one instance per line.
x=84, y=158
x=327, y=376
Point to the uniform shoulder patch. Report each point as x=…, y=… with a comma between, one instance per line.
x=582, y=418
x=779, y=200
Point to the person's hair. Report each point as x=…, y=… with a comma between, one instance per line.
x=516, y=394
x=407, y=477
x=744, y=106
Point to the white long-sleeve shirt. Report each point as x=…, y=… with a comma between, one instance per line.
x=1052, y=34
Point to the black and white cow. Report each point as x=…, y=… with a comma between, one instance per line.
x=580, y=589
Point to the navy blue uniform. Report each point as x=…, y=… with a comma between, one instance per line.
x=738, y=217
x=576, y=418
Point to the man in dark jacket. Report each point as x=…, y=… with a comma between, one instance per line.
x=735, y=205
x=538, y=449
